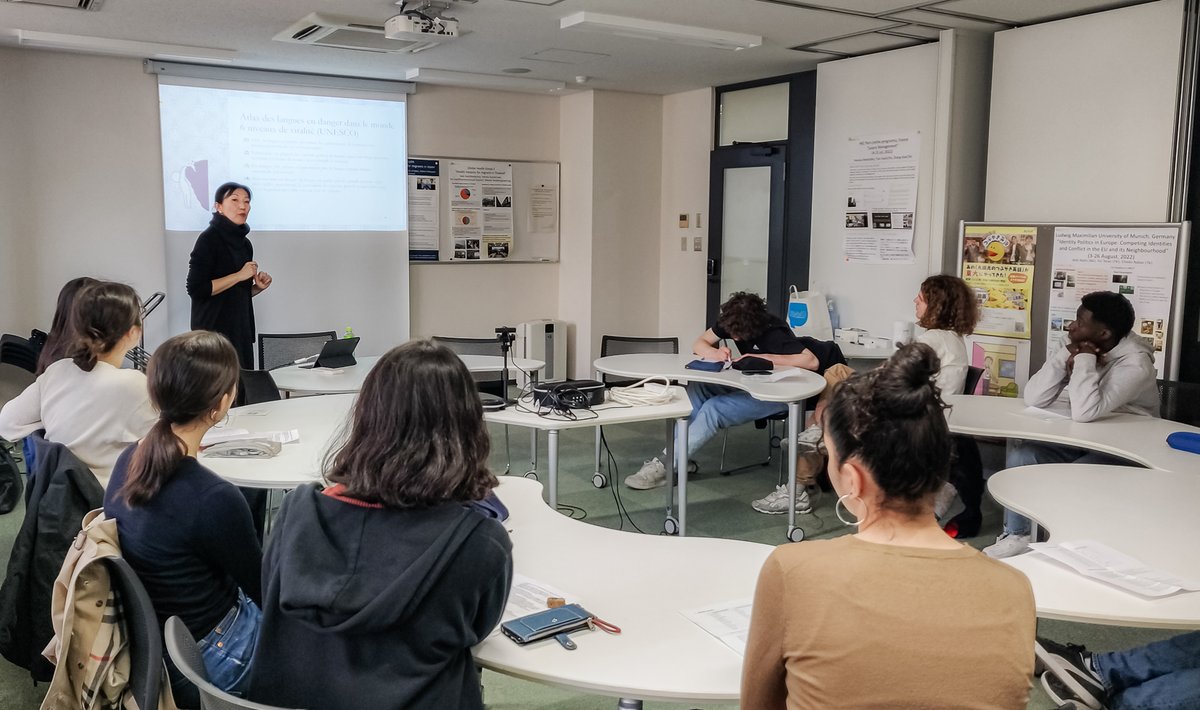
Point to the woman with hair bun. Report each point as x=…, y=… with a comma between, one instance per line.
x=863, y=620
x=186, y=532
x=85, y=401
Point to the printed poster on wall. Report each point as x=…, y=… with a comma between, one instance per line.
x=881, y=199
x=998, y=262
x=424, y=214
x=1004, y=361
x=1137, y=262
x=481, y=209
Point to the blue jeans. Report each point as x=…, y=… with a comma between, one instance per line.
x=1029, y=453
x=228, y=649
x=716, y=407
x=1164, y=675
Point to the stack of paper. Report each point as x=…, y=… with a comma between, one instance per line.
x=1101, y=562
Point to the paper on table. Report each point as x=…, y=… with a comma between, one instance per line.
x=781, y=372
x=1101, y=562
x=729, y=622
x=220, y=436
x=529, y=595
x=1043, y=414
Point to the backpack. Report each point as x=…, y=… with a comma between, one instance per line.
x=10, y=480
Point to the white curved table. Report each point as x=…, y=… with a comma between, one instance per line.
x=660, y=654
x=322, y=380
x=793, y=390
x=1147, y=514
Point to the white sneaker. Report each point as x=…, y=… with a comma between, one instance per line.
x=652, y=474
x=776, y=502
x=1008, y=545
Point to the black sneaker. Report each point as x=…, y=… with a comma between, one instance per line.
x=1071, y=666
x=1059, y=694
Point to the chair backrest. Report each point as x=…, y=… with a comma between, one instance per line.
x=1179, y=401
x=280, y=349
x=973, y=376
x=256, y=386
x=141, y=626
x=628, y=345
x=15, y=350
x=185, y=654
x=489, y=382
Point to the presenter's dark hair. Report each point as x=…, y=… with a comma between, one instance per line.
x=1112, y=309
x=892, y=419
x=744, y=315
x=103, y=313
x=225, y=189
x=949, y=305
x=62, y=334
x=187, y=377
x=416, y=436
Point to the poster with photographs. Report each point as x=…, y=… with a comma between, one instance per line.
x=480, y=207
x=881, y=199
x=1136, y=262
x=998, y=264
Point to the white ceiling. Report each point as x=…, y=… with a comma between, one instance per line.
x=503, y=34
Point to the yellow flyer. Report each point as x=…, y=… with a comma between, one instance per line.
x=998, y=264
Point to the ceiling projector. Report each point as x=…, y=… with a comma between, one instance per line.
x=425, y=29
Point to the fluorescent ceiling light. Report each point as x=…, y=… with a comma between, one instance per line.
x=481, y=81
x=664, y=31
x=123, y=47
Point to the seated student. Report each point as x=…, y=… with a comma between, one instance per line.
x=743, y=318
x=378, y=586
x=946, y=308
x=61, y=334
x=1163, y=674
x=861, y=621
x=87, y=402
x=1102, y=368
x=185, y=531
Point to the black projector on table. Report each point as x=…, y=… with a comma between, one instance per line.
x=569, y=394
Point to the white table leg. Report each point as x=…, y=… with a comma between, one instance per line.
x=793, y=437
x=552, y=440
x=670, y=524
x=533, y=437
x=681, y=433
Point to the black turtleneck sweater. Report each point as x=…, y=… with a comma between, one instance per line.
x=221, y=250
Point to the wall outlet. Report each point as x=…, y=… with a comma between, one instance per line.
x=683, y=244
x=683, y=220
x=697, y=220
x=697, y=243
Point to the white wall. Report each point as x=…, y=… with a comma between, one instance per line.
x=576, y=118
x=891, y=92
x=89, y=164
x=1082, y=117
x=472, y=299
x=687, y=138
x=13, y=251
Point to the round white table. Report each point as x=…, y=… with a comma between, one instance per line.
x=641, y=583
x=323, y=380
x=793, y=389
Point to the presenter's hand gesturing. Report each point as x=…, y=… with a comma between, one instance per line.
x=249, y=270
x=262, y=280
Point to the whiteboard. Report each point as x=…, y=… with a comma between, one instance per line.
x=535, y=238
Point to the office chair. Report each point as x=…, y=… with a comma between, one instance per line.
x=141, y=625
x=282, y=349
x=185, y=654
x=255, y=386
x=17, y=351
x=625, y=345
x=974, y=374
x=1179, y=401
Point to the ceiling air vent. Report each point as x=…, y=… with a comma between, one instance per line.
x=322, y=30
x=69, y=4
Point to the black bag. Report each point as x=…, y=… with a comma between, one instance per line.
x=10, y=480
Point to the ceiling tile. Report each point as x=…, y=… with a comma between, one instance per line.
x=937, y=19
x=1025, y=12
x=871, y=7
x=866, y=43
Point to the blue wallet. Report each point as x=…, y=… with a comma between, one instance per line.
x=706, y=365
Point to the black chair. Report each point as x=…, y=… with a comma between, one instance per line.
x=487, y=382
x=15, y=350
x=255, y=386
x=185, y=654
x=966, y=471
x=281, y=349
x=973, y=376
x=141, y=626
x=1179, y=401
x=625, y=345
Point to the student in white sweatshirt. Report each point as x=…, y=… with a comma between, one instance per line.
x=86, y=401
x=1102, y=368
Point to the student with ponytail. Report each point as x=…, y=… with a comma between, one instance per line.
x=188, y=533
x=85, y=401
x=863, y=620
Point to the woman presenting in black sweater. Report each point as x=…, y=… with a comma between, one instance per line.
x=223, y=276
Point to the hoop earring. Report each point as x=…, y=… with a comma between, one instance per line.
x=841, y=501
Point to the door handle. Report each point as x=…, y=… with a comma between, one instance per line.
x=712, y=267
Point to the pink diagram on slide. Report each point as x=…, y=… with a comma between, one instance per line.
x=196, y=175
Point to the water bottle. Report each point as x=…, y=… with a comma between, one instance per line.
x=349, y=333
x=835, y=322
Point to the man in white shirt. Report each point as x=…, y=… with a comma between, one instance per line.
x=1103, y=368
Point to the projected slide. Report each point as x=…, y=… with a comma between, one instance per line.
x=314, y=163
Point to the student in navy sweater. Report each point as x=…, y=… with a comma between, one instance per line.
x=187, y=533
x=376, y=587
